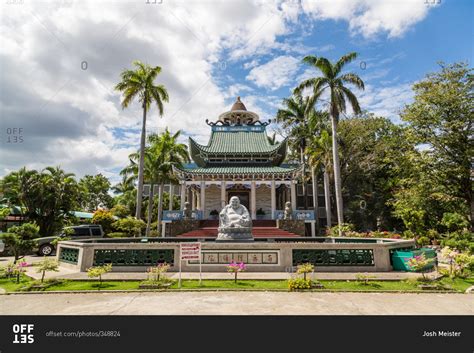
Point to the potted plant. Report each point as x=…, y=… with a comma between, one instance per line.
x=214, y=214
x=260, y=213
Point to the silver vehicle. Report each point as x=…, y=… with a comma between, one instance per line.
x=2, y=246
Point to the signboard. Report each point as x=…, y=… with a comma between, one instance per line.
x=187, y=252
x=190, y=251
x=238, y=128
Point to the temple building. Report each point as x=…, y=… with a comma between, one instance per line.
x=241, y=160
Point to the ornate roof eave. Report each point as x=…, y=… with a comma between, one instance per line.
x=189, y=174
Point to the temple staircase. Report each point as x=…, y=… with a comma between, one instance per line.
x=261, y=229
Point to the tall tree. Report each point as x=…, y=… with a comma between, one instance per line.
x=94, y=192
x=46, y=197
x=139, y=83
x=333, y=81
x=295, y=117
x=320, y=155
x=441, y=118
x=162, y=152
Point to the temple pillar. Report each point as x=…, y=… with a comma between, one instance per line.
x=253, y=200
x=273, y=199
x=170, y=203
x=183, y=195
x=203, y=199
x=193, y=199
x=223, y=200
x=293, y=195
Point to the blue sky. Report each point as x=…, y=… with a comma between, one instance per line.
x=210, y=52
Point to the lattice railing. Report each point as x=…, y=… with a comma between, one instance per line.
x=131, y=257
x=69, y=255
x=336, y=257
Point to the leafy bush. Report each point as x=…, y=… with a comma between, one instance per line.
x=45, y=266
x=345, y=227
x=304, y=269
x=454, y=221
x=105, y=219
x=460, y=240
x=117, y=235
x=20, y=239
x=120, y=211
x=420, y=263
x=157, y=274
x=299, y=283
x=98, y=271
x=132, y=226
x=423, y=241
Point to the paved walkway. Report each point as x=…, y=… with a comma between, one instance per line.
x=237, y=303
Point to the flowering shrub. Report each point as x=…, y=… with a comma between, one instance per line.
x=235, y=268
x=460, y=264
x=158, y=273
x=304, y=269
x=419, y=264
x=299, y=283
x=19, y=268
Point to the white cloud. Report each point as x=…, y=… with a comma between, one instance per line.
x=370, y=17
x=386, y=101
x=275, y=73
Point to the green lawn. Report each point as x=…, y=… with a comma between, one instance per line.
x=409, y=285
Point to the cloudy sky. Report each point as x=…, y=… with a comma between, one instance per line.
x=60, y=60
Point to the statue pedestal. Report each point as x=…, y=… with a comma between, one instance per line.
x=234, y=234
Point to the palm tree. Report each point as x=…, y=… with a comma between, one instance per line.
x=139, y=83
x=163, y=151
x=334, y=81
x=295, y=117
x=172, y=154
x=320, y=155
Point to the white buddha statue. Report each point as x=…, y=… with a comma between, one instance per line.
x=235, y=222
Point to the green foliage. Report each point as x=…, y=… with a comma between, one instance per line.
x=105, y=219
x=440, y=182
x=423, y=241
x=117, y=235
x=454, y=221
x=120, y=211
x=299, y=283
x=98, y=271
x=94, y=192
x=131, y=226
x=56, y=240
x=305, y=269
x=46, y=198
x=20, y=239
x=4, y=212
x=420, y=263
x=46, y=265
x=157, y=274
x=461, y=240
x=344, y=228
x=8, y=270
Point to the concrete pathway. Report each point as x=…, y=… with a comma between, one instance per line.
x=237, y=303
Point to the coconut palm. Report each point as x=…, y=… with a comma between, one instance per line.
x=333, y=81
x=139, y=84
x=320, y=155
x=295, y=118
x=163, y=151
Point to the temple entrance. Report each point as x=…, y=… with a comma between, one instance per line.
x=242, y=195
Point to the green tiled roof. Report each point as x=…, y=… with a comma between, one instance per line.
x=238, y=142
x=239, y=170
